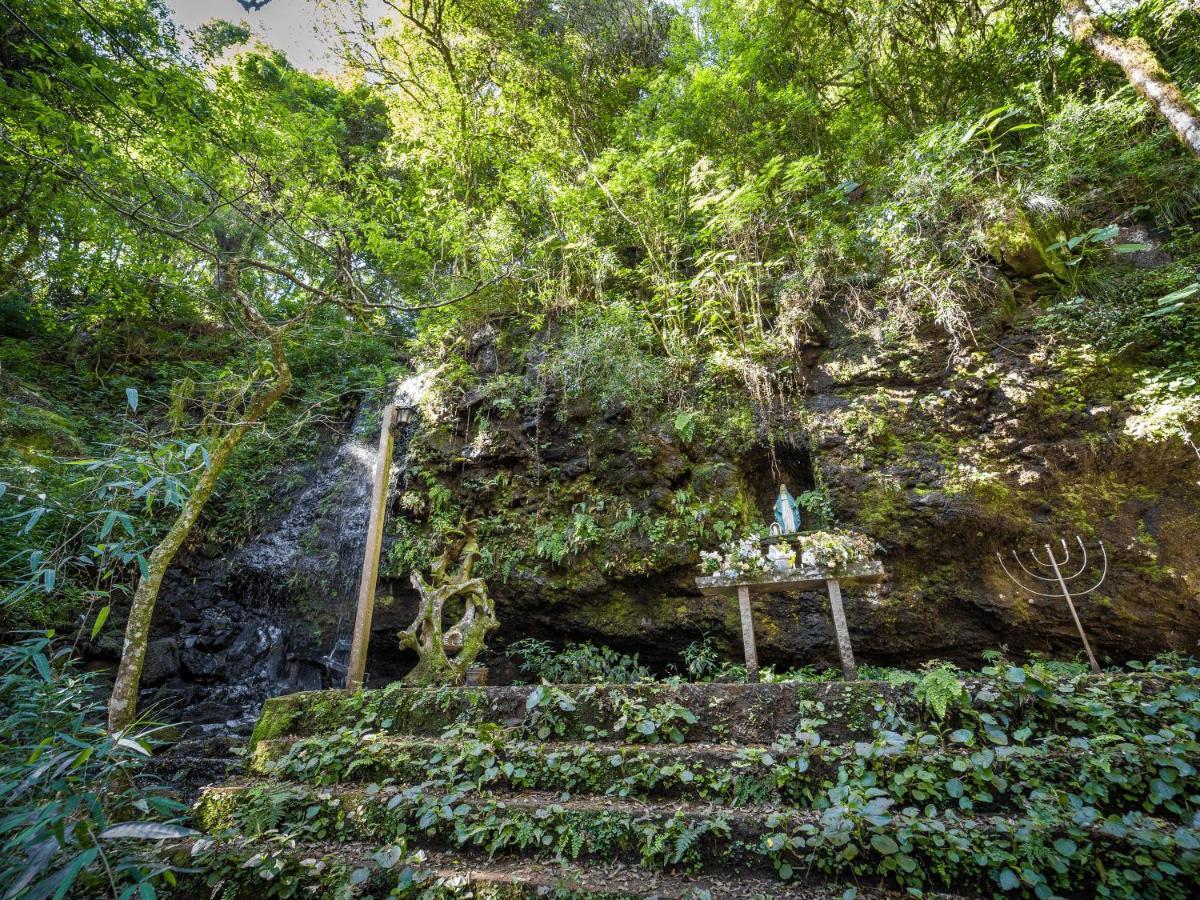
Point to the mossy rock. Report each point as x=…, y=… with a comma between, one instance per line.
x=29, y=427
x=1012, y=239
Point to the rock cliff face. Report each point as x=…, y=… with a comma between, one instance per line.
x=595, y=517
x=592, y=516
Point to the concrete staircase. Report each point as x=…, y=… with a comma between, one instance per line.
x=704, y=790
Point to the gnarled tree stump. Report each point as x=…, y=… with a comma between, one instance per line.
x=445, y=654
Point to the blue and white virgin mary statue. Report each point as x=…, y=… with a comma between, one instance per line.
x=787, y=512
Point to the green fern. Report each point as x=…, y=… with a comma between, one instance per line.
x=267, y=808
x=939, y=688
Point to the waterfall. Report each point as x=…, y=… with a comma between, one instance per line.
x=277, y=615
x=316, y=549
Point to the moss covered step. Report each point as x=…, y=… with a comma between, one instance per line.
x=957, y=771
x=1131, y=705
x=724, y=713
x=867, y=836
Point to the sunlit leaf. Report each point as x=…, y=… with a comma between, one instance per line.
x=145, y=831
x=1182, y=294
x=101, y=618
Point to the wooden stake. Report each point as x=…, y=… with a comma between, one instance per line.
x=839, y=627
x=357, y=666
x=748, y=633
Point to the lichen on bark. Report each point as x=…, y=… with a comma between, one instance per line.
x=122, y=705
x=1141, y=67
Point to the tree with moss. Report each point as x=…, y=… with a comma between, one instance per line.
x=1141, y=67
x=445, y=654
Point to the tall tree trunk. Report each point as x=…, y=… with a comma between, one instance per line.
x=1142, y=69
x=122, y=706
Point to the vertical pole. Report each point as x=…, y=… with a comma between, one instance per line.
x=1074, y=615
x=370, y=569
x=840, y=630
x=748, y=633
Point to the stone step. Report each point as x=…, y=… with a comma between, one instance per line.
x=458, y=873
x=732, y=775
x=706, y=713
x=722, y=713
x=688, y=836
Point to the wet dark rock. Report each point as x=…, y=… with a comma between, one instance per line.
x=216, y=629
x=162, y=661
x=201, y=663
x=1151, y=256
x=944, y=456
x=482, y=350
x=187, y=766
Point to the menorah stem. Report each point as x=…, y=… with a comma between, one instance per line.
x=1074, y=615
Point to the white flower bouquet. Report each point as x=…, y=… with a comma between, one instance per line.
x=834, y=550
x=826, y=550
x=743, y=556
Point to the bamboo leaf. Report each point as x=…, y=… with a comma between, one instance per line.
x=101, y=618
x=131, y=744
x=145, y=831
x=147, y=487
x=34, y=517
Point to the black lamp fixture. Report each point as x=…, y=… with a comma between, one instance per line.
x=404, y=413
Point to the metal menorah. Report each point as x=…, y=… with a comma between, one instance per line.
x=1055, y=565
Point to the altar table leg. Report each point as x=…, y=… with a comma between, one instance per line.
x=839, y=627
x=748, y=634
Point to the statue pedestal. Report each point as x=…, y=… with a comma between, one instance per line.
x=806, y=579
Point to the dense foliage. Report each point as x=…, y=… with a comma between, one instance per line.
x=1030, y=781
x=143, y=198
x=755, y=177
x=661, y=209
x=596, y=225
x=78, y=815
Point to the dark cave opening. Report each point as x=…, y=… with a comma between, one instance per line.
x=791, y=465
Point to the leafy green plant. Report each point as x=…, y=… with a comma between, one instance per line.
x=91, y=521
x=677, y=842
x=77, y=815
x=577, y=663
x=1079, y=248
x=664, y=721
x=818, y=506
x=940, y=688
x=987, y=133
x=701, y=659
x=548, y=710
